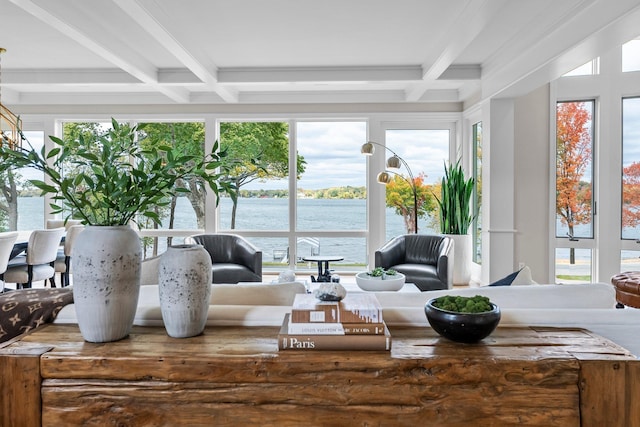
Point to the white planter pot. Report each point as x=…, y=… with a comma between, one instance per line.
x=462, y=251
x=184, y=281
x=377, y=284
x=106, y=281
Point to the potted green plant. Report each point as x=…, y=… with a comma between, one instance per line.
x=109, y=181
x=461, y=318
x=380, y=279
x=456, y=217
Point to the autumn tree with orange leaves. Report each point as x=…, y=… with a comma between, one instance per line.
x=400, y=197
x=631, y=195
x=573, y=156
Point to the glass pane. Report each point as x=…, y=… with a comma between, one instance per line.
x=425, y=151
x=261, y=150
x=352, y=249
x=477, y=193
x=154, y=246
x=631, y=56
x=574, y=160
x=73, y=131
x=587, y=69
x=573, y=265
x=331, y=189
x=629, y=261
x=21, y=205
x=184, y=211
x=630, y=168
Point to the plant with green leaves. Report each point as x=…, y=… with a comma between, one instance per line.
x=381, y=272
x=455, y=201
x=112, y=179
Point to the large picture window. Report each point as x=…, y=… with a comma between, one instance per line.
x=574, y=225
x=21, y=204
x=630, y=212
x=574, y=171
x=426, y=151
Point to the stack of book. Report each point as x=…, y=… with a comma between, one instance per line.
x=355, y=323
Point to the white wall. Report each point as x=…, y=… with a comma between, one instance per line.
x=532, y=175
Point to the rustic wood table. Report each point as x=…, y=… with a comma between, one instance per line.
x=233, y=376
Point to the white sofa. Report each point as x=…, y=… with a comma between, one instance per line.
x=589, y=306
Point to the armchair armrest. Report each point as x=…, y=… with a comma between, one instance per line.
x=444, y=268
x=392, y=253
x=248, y=255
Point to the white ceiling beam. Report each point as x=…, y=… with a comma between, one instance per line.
x=81, y=76
x=102, y=45
x=319, y=74
x=9, y=96
x=321, y=97
x=462, y=72
x=55, y=76
x=466, y=27
x=160, y=34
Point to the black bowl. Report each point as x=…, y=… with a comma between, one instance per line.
x=462, y=327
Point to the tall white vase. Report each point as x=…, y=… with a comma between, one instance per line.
x=106, y=281
x=462, y=251
x=184, y=283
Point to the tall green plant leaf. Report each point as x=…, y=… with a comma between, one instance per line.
x=455, y=201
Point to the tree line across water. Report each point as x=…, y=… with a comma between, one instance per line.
x=347, y=192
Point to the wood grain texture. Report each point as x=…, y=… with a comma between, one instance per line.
x=236, y=376
x=20, y=384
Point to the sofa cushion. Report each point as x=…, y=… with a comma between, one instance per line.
x=592, y=295
x=424, y=276
x=233, y=273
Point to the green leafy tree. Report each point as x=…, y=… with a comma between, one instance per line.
x=261, y=150
x=186, y=139
x=400, y=197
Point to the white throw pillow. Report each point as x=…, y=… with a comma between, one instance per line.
x=523, y=277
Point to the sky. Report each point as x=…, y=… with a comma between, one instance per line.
x=332, y=153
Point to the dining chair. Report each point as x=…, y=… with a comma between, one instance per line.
x=7, y=240
x=62, y=264
x=57, y=223
x=38, y=262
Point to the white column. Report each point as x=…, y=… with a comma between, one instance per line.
x=376, y=193
x=498, y=189
x=210, y=213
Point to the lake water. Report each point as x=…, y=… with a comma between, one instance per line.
x=271, y=214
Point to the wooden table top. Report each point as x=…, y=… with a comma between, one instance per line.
x=236, y=376
x=529, y=343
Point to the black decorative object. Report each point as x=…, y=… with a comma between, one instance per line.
x=462, y=327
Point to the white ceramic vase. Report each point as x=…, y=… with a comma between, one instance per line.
x=462, y=250
x=106, y=281
x=184, y=283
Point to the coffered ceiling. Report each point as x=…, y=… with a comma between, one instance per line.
x=298, y=51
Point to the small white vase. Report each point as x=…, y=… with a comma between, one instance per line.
x=106, y=281
x=184, y=283
x=462, y=255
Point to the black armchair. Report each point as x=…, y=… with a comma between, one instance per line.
x=234, y=258
x=425, y=260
